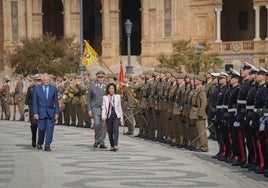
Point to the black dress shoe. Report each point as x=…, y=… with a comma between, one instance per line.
x=33, y=144
x=47, y=149
x=39, y=146
x=128, y=133
x=259, y=170
x=95, y=144
x=102, y=146
x=200, y=150
x=246, y=165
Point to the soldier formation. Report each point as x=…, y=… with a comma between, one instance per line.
x=178, y=109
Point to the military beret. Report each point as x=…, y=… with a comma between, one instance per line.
x=157, y=69
x=189, y=75
x=109, y=75
x=181, y=76
x=128, y=76
x=19, y=76
x=100, y=74
x=86, y=72
x=148, y=72
x=169, y=70
x=202, y=73
x=200, y=77
x=6, y=79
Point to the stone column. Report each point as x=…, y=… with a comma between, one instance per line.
x=218, y=29
x=105, y=21
x=37, y=18
x=29, y=18
x=7, y=22
x=267, y=24
x=145, y=18
x=67, y=16
x=257, y=23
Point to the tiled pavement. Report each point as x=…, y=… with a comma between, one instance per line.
x=74, y=162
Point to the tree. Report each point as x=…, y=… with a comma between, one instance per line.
x=185, y=57
x=45, y=54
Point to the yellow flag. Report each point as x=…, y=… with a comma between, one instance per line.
x=89, y=54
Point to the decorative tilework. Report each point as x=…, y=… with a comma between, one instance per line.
x=14, y=20
x=168, y=18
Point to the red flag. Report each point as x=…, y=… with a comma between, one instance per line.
x=121, y=73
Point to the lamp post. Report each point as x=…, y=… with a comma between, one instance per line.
x=81, y=66
x=199, y=49
x=128, y=27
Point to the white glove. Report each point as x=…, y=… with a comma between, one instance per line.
x=236, y=124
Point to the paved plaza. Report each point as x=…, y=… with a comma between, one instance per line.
x=74, y=162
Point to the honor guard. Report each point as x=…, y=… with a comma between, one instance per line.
x=198, y=115
x=29, y=101
x=217, y=104
x=233, y=122
x=177, y=112
x=170, y=101
x=5, y=98
x=249, y=130
x=19, y=97
x=259, y=104
x=209, y=91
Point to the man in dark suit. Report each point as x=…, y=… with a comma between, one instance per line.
x=46, y=111
x=29, y=102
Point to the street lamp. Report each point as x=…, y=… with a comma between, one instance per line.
x=81, y=66
x=128, y=27
x=199, y=49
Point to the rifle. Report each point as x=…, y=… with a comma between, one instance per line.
x=14, y=115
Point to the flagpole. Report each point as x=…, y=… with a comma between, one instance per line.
x=81, y=66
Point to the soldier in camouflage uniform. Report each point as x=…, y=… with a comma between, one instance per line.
x=177, y=111
x=19, y=96
x=170, y=101
x=189, y=124
x=198, y=115
x=160, y=116
x=209, y=91
x=142, y=118
x=78, y=102
x=129, y=104
x=86, y=117
x=60, y=89
x=151, y=111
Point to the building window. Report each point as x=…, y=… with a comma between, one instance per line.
x=243, y=20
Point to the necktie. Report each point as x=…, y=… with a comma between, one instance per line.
x=46, y=91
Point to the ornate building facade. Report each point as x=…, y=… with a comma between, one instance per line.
x=237, y=30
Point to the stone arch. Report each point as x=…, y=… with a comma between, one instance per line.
x=130, y=10
x=237, y=20
x=53, y=17
x=92, y=23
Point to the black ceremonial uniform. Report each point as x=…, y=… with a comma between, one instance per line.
x=29, y=102
x=260, y=100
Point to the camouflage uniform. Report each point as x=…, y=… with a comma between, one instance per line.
x=19, y=97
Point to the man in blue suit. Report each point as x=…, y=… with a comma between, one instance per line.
x=46, y=111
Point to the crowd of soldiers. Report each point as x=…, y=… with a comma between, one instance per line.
x=178, y=109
